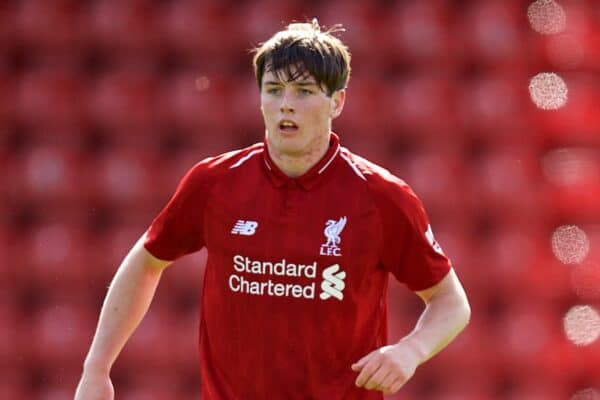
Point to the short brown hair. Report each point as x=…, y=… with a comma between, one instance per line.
x=310, y=51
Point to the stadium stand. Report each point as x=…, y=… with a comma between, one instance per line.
x=105, y=104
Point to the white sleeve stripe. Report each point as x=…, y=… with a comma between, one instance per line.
x=330, y=160
x=245, y=158
x=354, y=167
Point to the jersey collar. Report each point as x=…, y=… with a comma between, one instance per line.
x=311, y=177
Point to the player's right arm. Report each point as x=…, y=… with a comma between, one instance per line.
x=126, y=303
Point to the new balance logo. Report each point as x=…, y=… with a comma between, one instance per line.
x=333, y=283
x=247, y=228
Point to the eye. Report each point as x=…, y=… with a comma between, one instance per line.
x=305, y=91
x=273, y=90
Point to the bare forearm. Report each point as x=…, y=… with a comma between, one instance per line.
x=126, y=303
x=444, y=317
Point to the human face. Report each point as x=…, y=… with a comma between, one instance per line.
x=298, y=114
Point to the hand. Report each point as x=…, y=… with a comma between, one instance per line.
x=388, y=368
x=95, y=386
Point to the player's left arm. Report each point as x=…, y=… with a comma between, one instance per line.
x=446, y=314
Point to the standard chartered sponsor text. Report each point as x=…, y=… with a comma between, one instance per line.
x=242, y=284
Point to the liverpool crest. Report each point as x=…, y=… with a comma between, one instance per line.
x=332, y=232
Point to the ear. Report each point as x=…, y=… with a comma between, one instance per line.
x=337, y=103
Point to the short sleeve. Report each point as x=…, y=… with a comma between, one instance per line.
x=410, y=251
x=178, y=228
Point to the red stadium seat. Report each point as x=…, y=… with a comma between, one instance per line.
x=260, y=19
x=506, y=183
x=48, y=28
x=572, y=182
x=59, y=257
x=493, y=35
x=245, y=100
x=49, y=97
x=50, y=174
x=123, y=99
x=63, y=330
x=436, y=175
x=188, y=28
x=362, y=117
x=195, y=101
x=125, y=28
x=421, y=106
x=7, y=90
x=494, y=109
x=127, y=177
x=419, y=34
x=509, y=252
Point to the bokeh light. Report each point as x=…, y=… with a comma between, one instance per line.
x=582, y=325
x=586, y=394
x=547, y=17
x=585, y=281
x=570, y=244
x=570, y=166
x=548, y=91
x=202, y=83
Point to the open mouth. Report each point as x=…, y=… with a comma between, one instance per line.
x=288, y=126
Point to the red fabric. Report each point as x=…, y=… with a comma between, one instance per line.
x=274, y=346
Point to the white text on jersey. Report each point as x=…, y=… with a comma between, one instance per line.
x=247, y=228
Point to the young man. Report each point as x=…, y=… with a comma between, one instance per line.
x=301, y=237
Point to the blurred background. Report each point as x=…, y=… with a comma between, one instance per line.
x=489, y=109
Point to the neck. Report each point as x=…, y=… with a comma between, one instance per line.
x=297, y=164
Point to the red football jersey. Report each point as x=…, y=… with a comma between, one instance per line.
x=296, y=278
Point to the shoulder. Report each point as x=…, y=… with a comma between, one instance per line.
x=383, y=185
x=214, y=167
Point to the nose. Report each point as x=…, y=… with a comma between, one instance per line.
x=286, y=105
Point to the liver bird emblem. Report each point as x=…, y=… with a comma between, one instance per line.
x=332, y=231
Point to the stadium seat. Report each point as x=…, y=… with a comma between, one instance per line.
x=49, y=97
x=59, y=257
x=245, y=100
x=191, y=100
x=436, y=174
x=48, y=28
x=362, y=117
x=124, y=29
x=122, y=98
x=63, y=330
x=493, y=109
x=126, y=176
x=493, y=35
x=420, y=105
x=499, y=174
x=262, y=18
x=7, y=90
x=48, y=173
x=420, y=35
x=188, y=29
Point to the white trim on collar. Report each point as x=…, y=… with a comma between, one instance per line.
x=330, y=160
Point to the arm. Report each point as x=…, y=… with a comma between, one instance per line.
x=126, y=303
x=446, y=314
